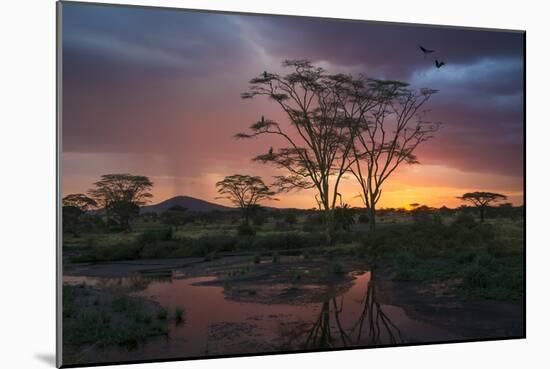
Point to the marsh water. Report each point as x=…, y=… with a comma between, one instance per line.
x=218, y=322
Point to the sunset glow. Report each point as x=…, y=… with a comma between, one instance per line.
x=159, y=95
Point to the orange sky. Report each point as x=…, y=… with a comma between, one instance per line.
x=431, y=185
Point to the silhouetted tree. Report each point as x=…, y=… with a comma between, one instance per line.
x=121, y=195
x=245, y=192
x=175, y=216
x=316, y=140
x=481, y=200
x=123, y=211
x=74, y=206
x=386, y=133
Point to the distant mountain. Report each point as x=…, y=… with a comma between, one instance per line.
x=190, y=203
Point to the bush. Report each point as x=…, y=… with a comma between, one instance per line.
x=152, y=235
x=162, y=314
x=161, y=249
x=363, y=218
x=465, y=220
x=476, y=277
x=245, y=230
x=291, y=219
x=180, y=315
x=344, y=237
x=313, y=222
x=259, y=219
x=337, y=268
x=287, y=241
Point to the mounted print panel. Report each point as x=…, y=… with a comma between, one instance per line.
x=242, y=184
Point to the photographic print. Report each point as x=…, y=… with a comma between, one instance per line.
x=242, y=184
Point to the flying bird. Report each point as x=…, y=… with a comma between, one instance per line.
x=424, y=50
x=439, y=64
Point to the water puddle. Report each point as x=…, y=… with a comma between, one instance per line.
x=218, y=325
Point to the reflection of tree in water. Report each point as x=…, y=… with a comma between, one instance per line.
x=372, y=327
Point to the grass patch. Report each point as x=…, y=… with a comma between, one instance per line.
x=486, y=258
x=93, y=317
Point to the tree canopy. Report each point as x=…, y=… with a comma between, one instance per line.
x=79, y=201
x=244, y=191
x=339, y=124
x=121, y=195
x=317, y=141
x=481, y=200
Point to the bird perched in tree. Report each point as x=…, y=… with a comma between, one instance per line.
x=425, y=51
x=265, y=74
x=439, y=63
x=270, y=153
x=263, y=120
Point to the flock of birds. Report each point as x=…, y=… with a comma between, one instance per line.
x=427, y=52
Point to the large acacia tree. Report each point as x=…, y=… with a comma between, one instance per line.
x=481, y=200
x=74, y=207
x=316, y=137
x=121, y=195
x=386, y=133
x=245, y=192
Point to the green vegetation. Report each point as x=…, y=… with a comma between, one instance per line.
x=424, y=245
x=485, y=259
x=94, y=317
x=180, y=315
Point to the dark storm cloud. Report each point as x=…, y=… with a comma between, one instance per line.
x=388, y=48
x=119, y=41
x=161, y=81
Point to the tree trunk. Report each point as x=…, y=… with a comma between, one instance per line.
x=481, y=214
x=245, y=211
x=372, y=217
x=329, y=226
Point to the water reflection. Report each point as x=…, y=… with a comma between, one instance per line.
x=334, y=325
x=218, y=324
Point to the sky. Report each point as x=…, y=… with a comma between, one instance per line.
x=156, y=92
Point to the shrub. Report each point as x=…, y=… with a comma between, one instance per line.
x=161, y=249
x=245, y=230
x=337, y=268
x=180, y=315
x=363, y=218
x=259, y=219
x=344, y=237
x=152, y=235
x=162, y=314
x=291, y=219
x=476, y=277
x=465, y=220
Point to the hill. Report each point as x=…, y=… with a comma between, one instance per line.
x=190, y=203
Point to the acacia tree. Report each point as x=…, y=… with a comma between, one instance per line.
x=481, y=200
x=74, y=206
x=245, y=192
x=121, y=195
x=317, y=140
x=386, y=134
